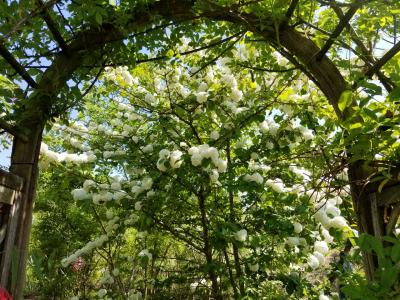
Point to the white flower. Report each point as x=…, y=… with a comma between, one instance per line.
x=292, y=241
x=150, y=193
x=273, y=128
x=338, y=222
x=332, y=210
x=146, y=252
x=101, y=293
x=150, y=99
x=276, y=184
x=201, y=97
x=241, y=235
x=115, y=272
x=161, y=166
x=321, y=247
x=135, y=296
x=214, y=135
x=254, y=156
x=164, y=154
x=229, y=80
x=109, y=214
x=327, y=237
x=193, y=150
x=297, y=227
x=313, y=262
x=175, y=157
x=214, y=175
x=254, y=268
x=196, y=159
x=255, y=177
x=108, y=154
x=323, y=297
x=80, y=194
x=127, y=77
x=202, y=87
x=148, y=148
x=221, y=165
x=116, y=186
x=236, y=95
x=147, y=183
x=308, y=134
x=138, y=205
x=320, y=257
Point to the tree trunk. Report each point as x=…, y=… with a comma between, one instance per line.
x=208, y=249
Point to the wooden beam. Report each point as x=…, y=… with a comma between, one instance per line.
x=367, y=56
x=16, y=65
x=376, y=216
x=8, y=248
x=394, y=216
x=11, y=180
x=13, y=130
x=52, y=27
x=291, y=9
x=338, y=30
x=381, y=62
x=389, y=196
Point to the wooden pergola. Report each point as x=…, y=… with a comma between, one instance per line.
x=377, y=213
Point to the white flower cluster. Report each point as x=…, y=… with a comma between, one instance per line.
x=111, y=226
x=269, y=126
x=89, y=247
x=202, y=94
x=140, y=186
x=300, y=172
x=277, y=185
x=146, y=252
x=109, y=154
x=120, y=74
x=255, y=177
x=307, y=133
x=134, y=295
x=254, y=267
x=131, y=219
x=105, y=193
x=79, y=145
x=295, y=241
x=241, y=235
x=173, y=157
x=107, y=278
x=328, y=214
x=80, y=194
x=48, y=156
x=198, y=153
x=318, y=257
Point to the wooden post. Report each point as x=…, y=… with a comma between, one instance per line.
x=10, y=192
x=24, y=163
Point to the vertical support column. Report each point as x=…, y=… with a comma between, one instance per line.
x=24, y=163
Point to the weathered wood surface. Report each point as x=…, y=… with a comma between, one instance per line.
x=10, y=180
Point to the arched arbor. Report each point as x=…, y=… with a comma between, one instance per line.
x=54, y=44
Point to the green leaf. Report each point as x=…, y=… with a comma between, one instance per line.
x=170, y=53
x=371, y=88
x=345, y=100
x=395, y=94
x=99, y=18
x=355, y=125
x=395, y=253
